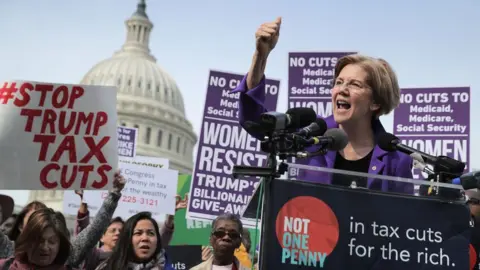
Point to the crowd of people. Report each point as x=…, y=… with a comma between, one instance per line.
x=38, y=238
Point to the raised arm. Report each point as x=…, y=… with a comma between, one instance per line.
x=168, y=227
x=83, y=216
x=89, y=237
x=167, y=230
x=252, y=87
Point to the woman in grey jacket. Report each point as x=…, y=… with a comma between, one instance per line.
x=88, y=238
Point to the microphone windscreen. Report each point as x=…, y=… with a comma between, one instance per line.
x=385, y=142
x=456, y=181
x=301, y=117
x=340, y=138
x=320, y=128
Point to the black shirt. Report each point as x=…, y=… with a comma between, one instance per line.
x=362, y=165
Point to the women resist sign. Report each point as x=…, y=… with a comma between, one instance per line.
x=57, y=136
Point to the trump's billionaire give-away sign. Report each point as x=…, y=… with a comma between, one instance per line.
x=57, y=136
x=223, y=144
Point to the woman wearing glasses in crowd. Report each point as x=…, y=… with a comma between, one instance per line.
x=139, y=246
x=226, y=237
x=364, y=88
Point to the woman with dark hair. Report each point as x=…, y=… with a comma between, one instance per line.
x=23, y=217
x=43, y=243
x=139, y=246
x=87, y=239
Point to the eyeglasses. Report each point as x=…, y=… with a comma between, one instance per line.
x=473, y=201
x=232, y=235
x=351, y=85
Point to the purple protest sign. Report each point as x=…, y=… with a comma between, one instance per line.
x=435, y=121
x=310, y=81
x=223, y=143
x=127, y=141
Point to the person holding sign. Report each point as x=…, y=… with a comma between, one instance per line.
x=112, y=233
x=87, y=239
x=139, y=246
x=364, y=88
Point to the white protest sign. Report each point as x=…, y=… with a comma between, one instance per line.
x=154, y=162
x=57, y=136
x=149, y=187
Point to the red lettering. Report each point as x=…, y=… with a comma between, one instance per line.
x=86, y=169
x=100, y=120
x=45, y=140
x=95, y=149
x=77, y=92
x=44, y=175
x=64, y=183
x=82, y=122
x=86, y=119
x=68, y=174
x=24, y=94
x=49, y=118
x=67, y=145
x=61, y=91
x=66, y=125
x=43, y=89
x=102, y=172
x=31, y=114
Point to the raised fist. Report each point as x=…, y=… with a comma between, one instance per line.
x=267, y=36
x=118, y=182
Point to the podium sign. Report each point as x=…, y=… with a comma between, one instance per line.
x=322, y=226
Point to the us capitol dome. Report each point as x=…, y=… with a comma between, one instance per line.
x=147, y=98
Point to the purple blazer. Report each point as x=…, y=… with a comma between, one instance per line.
x=382, y=162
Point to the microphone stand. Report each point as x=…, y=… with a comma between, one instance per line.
x=445, y=169
x=269, y=173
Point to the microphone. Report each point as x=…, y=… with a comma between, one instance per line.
x=317, y=128
x=468, y=181
x=389, y=142
x=294, y=118
x=334, y=139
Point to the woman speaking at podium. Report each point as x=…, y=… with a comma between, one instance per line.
x=364, y=89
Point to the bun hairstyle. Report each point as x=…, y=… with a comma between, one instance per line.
x=381, y=79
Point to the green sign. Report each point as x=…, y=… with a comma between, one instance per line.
x=191, y=232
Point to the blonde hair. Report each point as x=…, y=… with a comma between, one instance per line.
x=381, y=79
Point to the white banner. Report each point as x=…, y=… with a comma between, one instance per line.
x=56, y=136
x=150, y=187
x=71, y=201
